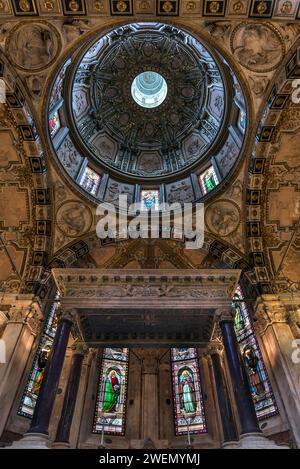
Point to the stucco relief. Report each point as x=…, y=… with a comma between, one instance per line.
x=105, y=146
x=69, y=157
x=115, y=189
x=74, y=219
x=258, y=47
x=33, y=46
x=180, y=191
x=149, y=162
x=222, y=217
x=228, y=155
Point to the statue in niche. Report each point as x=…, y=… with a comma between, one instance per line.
x=111, y=392
x=256, y=379
x=187, y=391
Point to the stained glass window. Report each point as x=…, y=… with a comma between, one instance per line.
x=187, y=394
x=150, y=199
x=54, y=124
x=208, y=180
x=242, y=120
x=41, y=356
x=90, y=181
x=261, y=390
x=112, y=389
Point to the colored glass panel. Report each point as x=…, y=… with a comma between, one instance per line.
x=150, y=199
x=41, y=356
x=90, y=181
x=208, y=180
x=112, y=392
x=261, y=390
x=187, y=393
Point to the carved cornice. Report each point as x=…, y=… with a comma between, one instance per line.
x=207, y=287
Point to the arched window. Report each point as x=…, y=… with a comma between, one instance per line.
x=261, y=390
x=112, y=392
x=187, y=394
x=41, y=356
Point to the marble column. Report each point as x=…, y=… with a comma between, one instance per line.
x=230, y=435
x=37, y=435
x=242, y=394
x=23, y=323
x=65, y=422
x=277, y=326
x=251, y=437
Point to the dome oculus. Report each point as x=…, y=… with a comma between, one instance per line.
x=149, y=89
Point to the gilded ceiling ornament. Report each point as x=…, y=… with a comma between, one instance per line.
x=191, y=6
x=214, y=7
x=74, y=5
x=238, y=7
x=49, y=5
x=262, y=7
x=24, y=5
x=2, y=6
x=286, y=7
x=121, y=6
x=98, y=5
x=144, y=5
x=167, y=7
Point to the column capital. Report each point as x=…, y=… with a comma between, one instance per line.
x=67, y=314
x=29, y=314
x=224, y=314
x=269, y=310
x=80, y=348
x=215, y=347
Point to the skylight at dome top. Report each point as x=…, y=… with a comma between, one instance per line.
x=149, y=89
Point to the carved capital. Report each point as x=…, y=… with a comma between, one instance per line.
x=269, y=312
x=224, y=314
x=80, y=348
x=67, y=315
x=215, y=346
x=30, y=315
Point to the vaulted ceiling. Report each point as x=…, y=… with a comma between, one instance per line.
x=257, y=227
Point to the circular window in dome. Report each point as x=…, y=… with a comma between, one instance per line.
x=149, y=89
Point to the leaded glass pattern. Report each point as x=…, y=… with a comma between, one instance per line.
x=90, y=181
x=261, y=390
x=242, y=120
x=208, y=180
x=112, y=392
x=54, y=124
x=41, y=356
x=187, y=393
x=150, y=199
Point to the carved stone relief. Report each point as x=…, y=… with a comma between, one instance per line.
x=69, y=157
x=222, y=217
x=258, y=47
x=74, y=219
x=33, y=46
x=180, y=191
x=115, y=189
